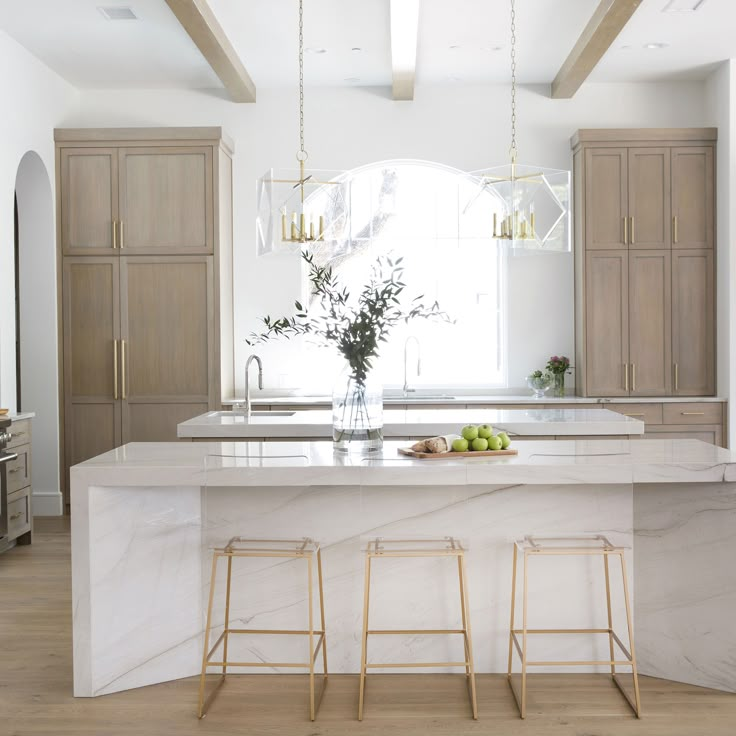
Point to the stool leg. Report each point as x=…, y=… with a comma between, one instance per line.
x=311, y=638
x=610, y=615
x=630, y=626
x=464, y=616
x=208, y=626
x=322, y=611
x=364, y=637
x=513, y=610
x=524, y=637
x=227, y=614
x=470, y=668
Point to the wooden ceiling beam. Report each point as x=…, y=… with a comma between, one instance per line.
x=404, y=31
x=200, y=23
x=602, y=30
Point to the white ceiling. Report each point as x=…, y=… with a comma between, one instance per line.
x=73, y=38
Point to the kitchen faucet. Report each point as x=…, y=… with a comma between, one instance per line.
x=247, y=380
x=406, y=357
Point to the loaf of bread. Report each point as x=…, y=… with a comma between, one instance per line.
x=442, y=443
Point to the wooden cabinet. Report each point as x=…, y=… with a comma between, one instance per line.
x=145, y=222
x=19, y=475
x=88, y=193
x=644, y=260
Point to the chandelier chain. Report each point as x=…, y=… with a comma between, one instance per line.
x=513, y=81
x=302, y=155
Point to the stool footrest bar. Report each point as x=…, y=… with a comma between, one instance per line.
x=417, y=664
x=416, y=631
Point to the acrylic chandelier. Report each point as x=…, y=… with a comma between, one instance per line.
x=296, y=209
x=531, y=204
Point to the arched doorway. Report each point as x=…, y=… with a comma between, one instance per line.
x=36, y=326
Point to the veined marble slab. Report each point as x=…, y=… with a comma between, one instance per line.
x=145, y=517
x=417, y=423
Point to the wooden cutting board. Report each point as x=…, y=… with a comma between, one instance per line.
x=431, y=455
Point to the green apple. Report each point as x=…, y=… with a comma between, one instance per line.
x=470, y=432
x=485, y=431
x=460, y=445
x=480, y=444
x=494, y=443
x=505, y=441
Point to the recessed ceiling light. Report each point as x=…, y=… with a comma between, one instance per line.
x=315, y=51
x=356, y=49
x=492, y=48
x=454, y=47
x=626, y=46
x=117, y=12
x=682, y=6
x=656, y=45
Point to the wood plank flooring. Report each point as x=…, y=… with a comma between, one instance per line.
x=36, y=686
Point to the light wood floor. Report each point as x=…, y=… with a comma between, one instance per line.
x=36, y=686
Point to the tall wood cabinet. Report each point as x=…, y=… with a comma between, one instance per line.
x=644, y=262
x=145, y=236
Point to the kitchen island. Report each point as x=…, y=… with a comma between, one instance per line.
x=146, y=516
x=415, y=424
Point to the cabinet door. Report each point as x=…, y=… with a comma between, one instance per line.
x=91, y=321
x=693, y=318
x=693, y=198
x=166, y=200
x=89, y=200
x=650, y=318
x=169, y=368
x=606, y=198
x=607, y=323
x=649, y=198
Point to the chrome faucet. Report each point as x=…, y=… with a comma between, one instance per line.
x=406, y=360
x=247, y=380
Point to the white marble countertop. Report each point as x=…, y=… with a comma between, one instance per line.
x=315, y=463
x=446, y=397
x=21, y=416
x=417, y=423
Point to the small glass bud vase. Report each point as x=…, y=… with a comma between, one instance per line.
x=558, y=385
x=357, y=414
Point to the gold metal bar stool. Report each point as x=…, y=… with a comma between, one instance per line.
x=301, y=549
x=448, y=547
x=531, y=547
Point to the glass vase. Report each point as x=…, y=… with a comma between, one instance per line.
x=357, y=415
x=558, y=385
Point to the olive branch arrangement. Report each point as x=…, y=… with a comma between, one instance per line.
x=355, y=328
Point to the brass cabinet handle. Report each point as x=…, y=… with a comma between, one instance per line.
x=122, y=239
x=19, y=434
x=633, y=376
x=14, y=470
x=114, y=234
x=16, y=516
x=674, y=228
x=115, y=369
x=677, y=377
x=631, y=240
x=637, y=414
x=626, y=230
x=626, y=377
x=693, y=413
x=122, y=369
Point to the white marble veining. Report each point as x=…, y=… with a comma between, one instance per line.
x=145, y=516
x=417, y=423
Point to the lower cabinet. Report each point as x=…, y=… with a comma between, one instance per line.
x=20, y=512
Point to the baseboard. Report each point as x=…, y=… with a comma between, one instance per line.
x=47, y=503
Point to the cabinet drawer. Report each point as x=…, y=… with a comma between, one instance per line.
x=711, y=434
x=19, y=470
x=693, y=413
x=647, y=413
x=19, y=513
x=21, y=432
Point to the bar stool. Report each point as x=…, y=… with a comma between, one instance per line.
x=571, y=546
x=391, y=548
x=300, y=549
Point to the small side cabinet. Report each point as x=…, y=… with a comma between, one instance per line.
x=20, y=510
x=645, y=262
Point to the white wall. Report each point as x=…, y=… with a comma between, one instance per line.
x=721, y=103
x=34, y=101
x=465, y=127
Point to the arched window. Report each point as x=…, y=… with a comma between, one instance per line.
x=432, y=216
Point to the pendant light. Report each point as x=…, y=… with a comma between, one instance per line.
x=296, y=209
x=531, y=204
